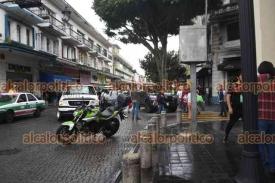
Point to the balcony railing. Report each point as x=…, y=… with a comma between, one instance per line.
x=226, y=9
x=105, y=69
x=85, y=41
x=43, y=13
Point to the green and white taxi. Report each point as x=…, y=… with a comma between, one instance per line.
x=19, y=104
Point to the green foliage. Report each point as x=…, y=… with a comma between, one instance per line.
x=149, y=22
x=174, y=70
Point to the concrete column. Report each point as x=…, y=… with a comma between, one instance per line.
x=145, y=151
x=152, y=130
x=163, y=122
x=131, y=168
x=179, y=115
x=156, y=119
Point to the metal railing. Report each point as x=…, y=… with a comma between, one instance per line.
x=226, y=9
x=44, y=14
x=106, y=69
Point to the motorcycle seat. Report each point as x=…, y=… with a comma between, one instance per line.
x=108, y=112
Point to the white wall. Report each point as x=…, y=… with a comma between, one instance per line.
x=265, y=30
x=2, y=23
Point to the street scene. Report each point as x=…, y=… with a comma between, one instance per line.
x=137, y=91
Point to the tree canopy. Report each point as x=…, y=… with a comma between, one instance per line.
x=149, y=22
x=174, y=70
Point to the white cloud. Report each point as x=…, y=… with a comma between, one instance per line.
x=132, y=53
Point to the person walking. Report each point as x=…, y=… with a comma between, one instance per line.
x=266, y=115
x=235, y=105
x=222, y=95
x=135, y=97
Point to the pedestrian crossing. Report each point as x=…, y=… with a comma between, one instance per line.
x=205, y=117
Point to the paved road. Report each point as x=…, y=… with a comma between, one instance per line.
x=56, y=163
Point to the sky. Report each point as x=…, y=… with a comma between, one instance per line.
x=130, y=52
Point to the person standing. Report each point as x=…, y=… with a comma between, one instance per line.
x=135, y=97
x=266, y=115
x=161, y=101
x=222, y=95
x=235, y=105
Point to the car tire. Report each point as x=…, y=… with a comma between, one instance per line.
x=37, y=113
x=9, y=117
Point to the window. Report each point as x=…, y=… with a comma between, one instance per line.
x=55, y=47
x=233, y=31
x=91, y=42
x=98, y=49
x=81, y=36
x=18, y=30
x=105, y=52
x=48, y=45
x=28, y=37
x=22, y=98
x=31, y=98
x=73, y=53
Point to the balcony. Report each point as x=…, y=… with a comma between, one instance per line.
x=225, y=13
x=25, y=15
x=84, y=44
x=106, y=69
x=72, y=36
x=51, y=24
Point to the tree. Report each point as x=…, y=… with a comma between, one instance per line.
x=149, y=22
x=174, y=70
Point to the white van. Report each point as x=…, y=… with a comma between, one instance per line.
x=75, y=96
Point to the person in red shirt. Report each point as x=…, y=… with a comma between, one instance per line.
x=266, y=114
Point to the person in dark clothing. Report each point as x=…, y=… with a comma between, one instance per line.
x=234, y=103
x=161, y=101
x=221, y=95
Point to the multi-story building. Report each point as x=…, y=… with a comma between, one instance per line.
x=47, y=40
x=121, y=67
x=224, y=44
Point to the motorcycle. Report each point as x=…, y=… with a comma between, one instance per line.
x=104, y=119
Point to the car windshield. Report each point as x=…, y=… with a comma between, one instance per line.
x=81, y=90
x=7, y=98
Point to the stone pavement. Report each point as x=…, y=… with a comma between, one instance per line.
x=214, y=163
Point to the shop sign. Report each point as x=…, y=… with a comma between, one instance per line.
x=19, y=68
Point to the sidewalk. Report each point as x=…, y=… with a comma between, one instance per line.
x=215, y=163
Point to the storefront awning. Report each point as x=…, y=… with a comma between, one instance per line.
x=17, y=48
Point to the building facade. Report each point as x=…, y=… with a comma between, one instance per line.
x=47, y=41
x=122, y=68
x=225, y=46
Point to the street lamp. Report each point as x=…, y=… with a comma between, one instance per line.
x=251, y=170
x=66, y=14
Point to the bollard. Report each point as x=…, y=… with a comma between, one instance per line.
x=131, y=168
x=145, y=150
x=179, y=115
x=163, y=121
x=151, y=128
x=156, y=117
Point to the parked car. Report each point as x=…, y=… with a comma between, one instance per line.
x=75, y=96
x=19, y=104
x=151, y=105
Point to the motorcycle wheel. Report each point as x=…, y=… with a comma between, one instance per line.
x=65, y=136
x=110, y=128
